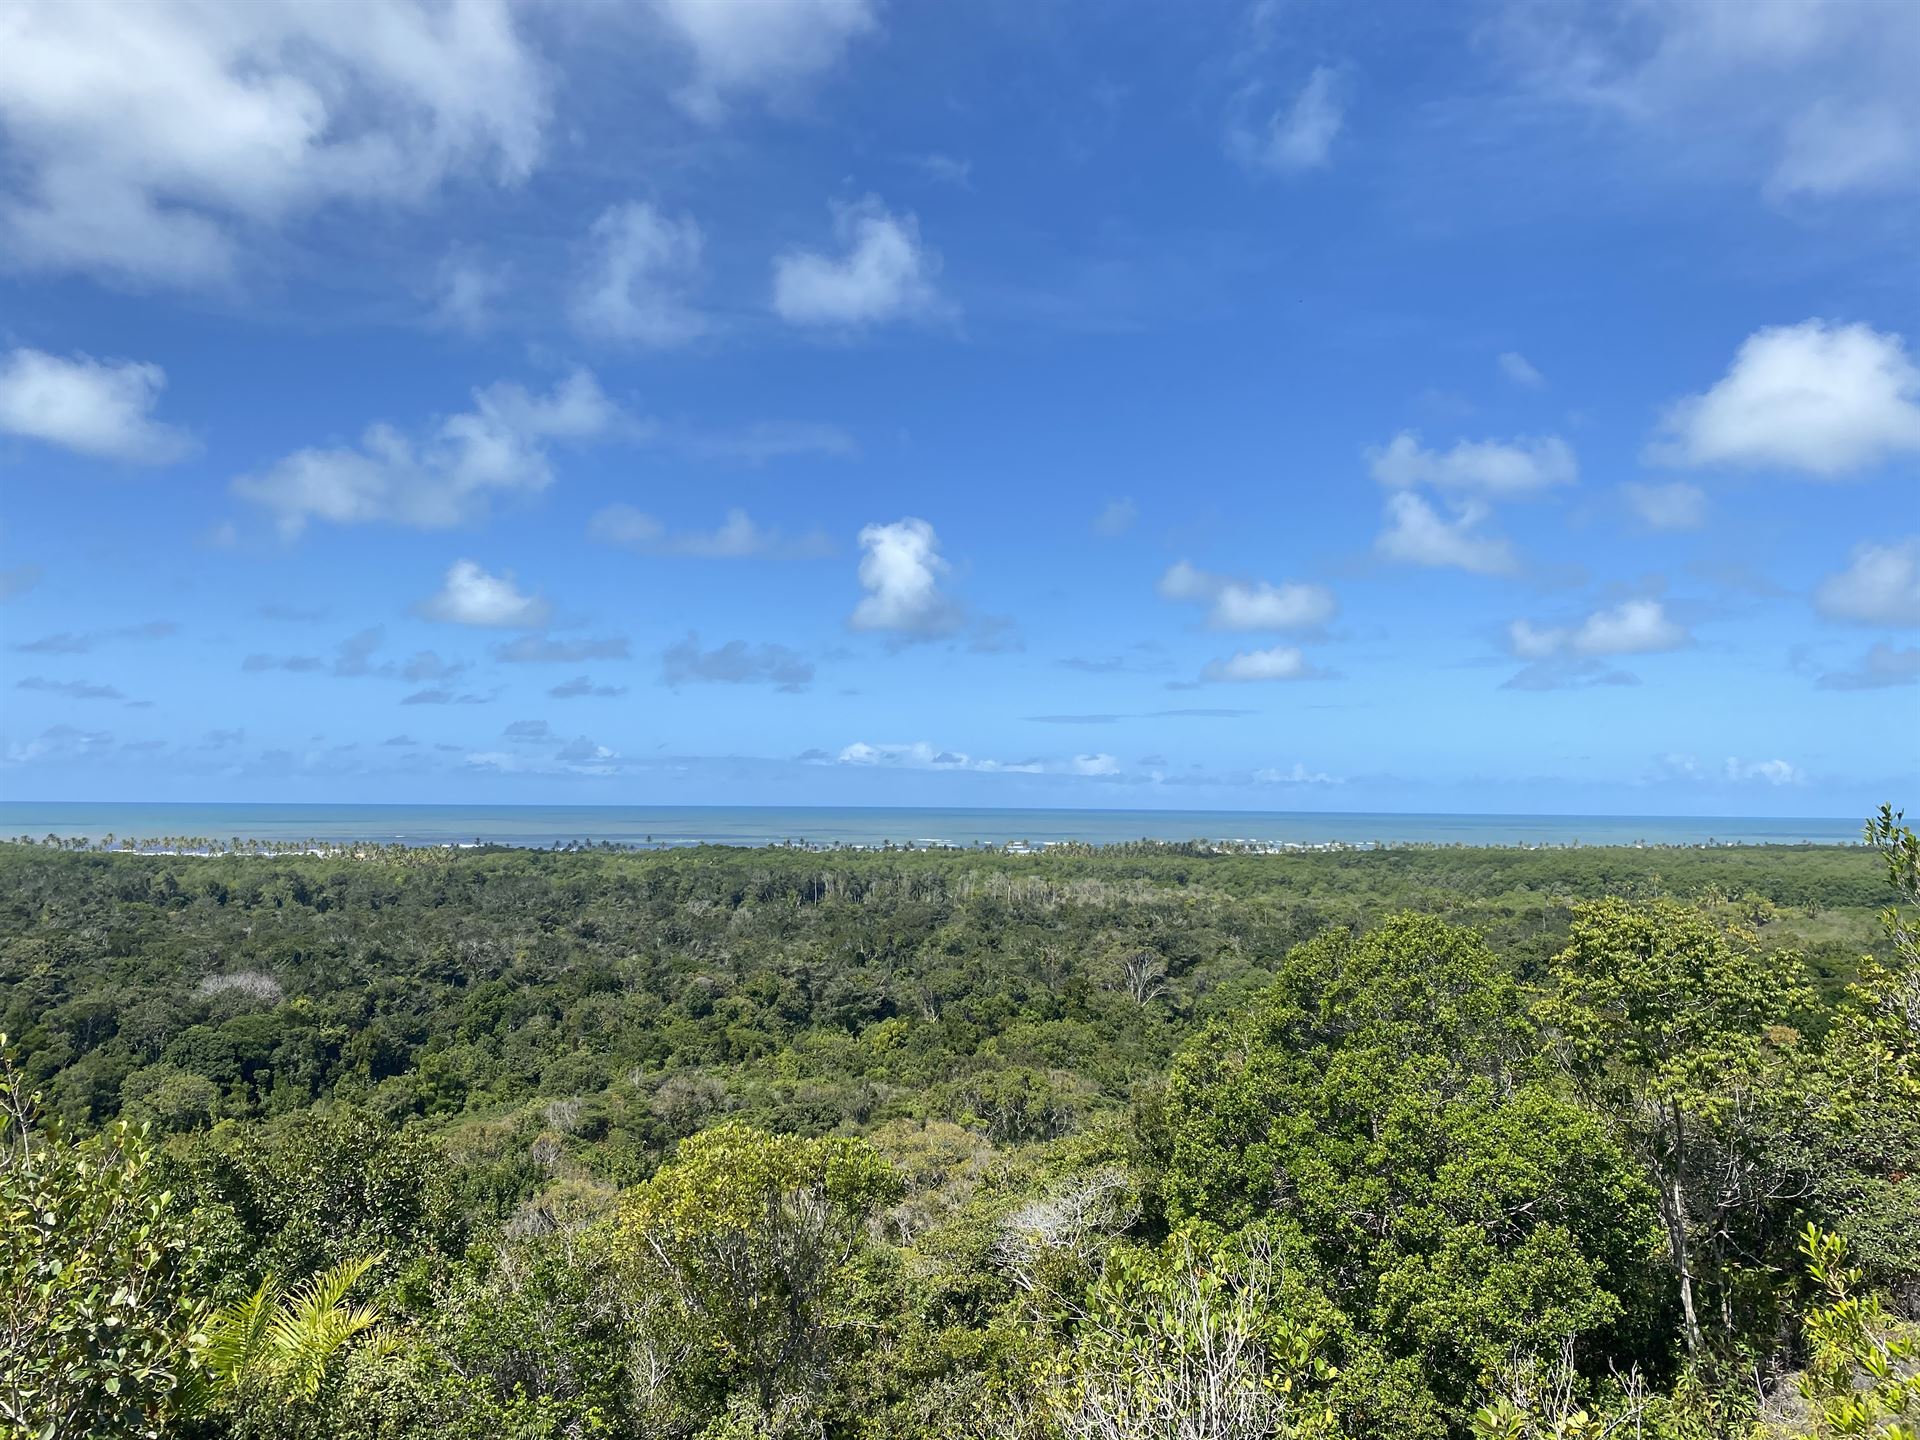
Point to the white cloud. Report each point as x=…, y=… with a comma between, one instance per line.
x=643, y=267
x=471, y=596
x=1813, y=97
x=884, y=273
x=1281, y=662
x=1298, y=775
x=96, y=407
x=1249, y=604
x=1416, y=534
x=901, y=573
x=737, y=537
x=919, y=755
x=1491, y=467
x=1520, y=370
x=1880, y=587
x=1297, y=136
x=1116, y=518
x=770, y=48
x=497, y=448
x=146, y=141
x=1818, y=398
x=467, y=287
x=1767, y=772
x=1678, y=506
x=1633, y=627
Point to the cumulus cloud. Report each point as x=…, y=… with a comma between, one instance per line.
x=1520, y=371
x=1294, y=137
x=735, y=663
x=1248, y=604
x=71, y=689
x=1280, y=662
x=1678, y=506
x=1297, y=774
x=441, y=695
x=639, y=278
x=1765, y=772
x=1882, y=667
x=1566, y=672
x=60, y=742
x=466, y=288
x=882, y=273
x=919, y=755
x=498, y=448
x=353, y=657
x=70, y=642
x=18, y=579
x=736, y=537
x=1417, y=534
x=1633, y=627
x=1825, y=400
x=1813, y=100
x=545, y=650
x=150, y=142
x=1116, y=517
x=901, y=569
x=1524, y=466
x=581, y=687
x=770, y=49
x=471, y=596
x=1881, y=586
x=102, y=408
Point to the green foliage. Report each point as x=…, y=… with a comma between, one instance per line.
x=1181, y=1342
x=1144, y=1142
x=1862, y=1376
x=1379, y=1113
x=96, y=1312
x=752, y=1235
x=1678, y=1029
x=263, y=1362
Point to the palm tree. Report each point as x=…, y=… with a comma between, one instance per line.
x=276, y=1349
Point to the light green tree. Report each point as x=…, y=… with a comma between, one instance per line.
x=751, y=1236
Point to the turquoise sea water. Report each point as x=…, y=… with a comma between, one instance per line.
x=544, y=825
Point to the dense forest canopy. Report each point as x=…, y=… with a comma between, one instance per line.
x=1142, y=1142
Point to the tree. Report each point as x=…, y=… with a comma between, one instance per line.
x=1181, y=1344
x=1379, y=1114
x=96, y=1312
x=1672, y=1026
x=752, y=1235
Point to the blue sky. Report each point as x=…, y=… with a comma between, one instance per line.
x=1490, y=407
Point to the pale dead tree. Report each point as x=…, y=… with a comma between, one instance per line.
x=1143, y=975
x=245, y=984
x=1080, y=1218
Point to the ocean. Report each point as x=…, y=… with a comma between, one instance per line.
x=541, y=826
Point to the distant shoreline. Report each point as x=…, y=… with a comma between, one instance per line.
x=341, y=828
